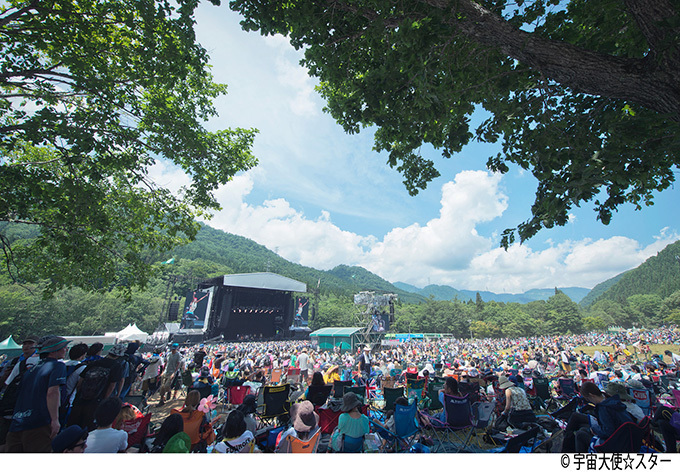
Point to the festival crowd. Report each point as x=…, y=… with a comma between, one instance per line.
x=60, y=396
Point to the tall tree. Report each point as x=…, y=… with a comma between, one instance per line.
x=92, y=92
x=584, y=94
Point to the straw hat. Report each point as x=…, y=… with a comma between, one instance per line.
x=504, y=382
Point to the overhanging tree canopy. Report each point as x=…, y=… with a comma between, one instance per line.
x=584, y=94
x=92, y=92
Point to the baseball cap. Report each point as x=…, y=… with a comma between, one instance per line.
x=68, y=438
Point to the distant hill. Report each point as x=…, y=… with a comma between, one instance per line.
x=243, y=255
x=447, y=293
x=659, y=275
x=600, y=289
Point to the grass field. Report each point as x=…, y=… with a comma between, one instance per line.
x=655, y=349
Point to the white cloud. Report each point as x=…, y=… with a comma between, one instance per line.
x=446, y=250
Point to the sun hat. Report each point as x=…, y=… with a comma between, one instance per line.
x=118, y=350
x=303, y=417
x=175, y=345
x=617, y=388
x=350, y=401
x=636, y=384
x=51, y=343
x=68, y=438
x=504, y=382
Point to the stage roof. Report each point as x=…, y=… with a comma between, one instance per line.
x=336, y=331
x=271, y=281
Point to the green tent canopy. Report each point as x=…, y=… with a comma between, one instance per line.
x=10, y=348
x=345, y=338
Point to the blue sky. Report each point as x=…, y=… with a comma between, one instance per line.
x=320, y=197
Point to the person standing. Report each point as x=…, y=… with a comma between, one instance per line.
x=364, y=361
x=172, y=368
x=11, y=381
x=35, y=421
x=303, y=363
x=96, y=382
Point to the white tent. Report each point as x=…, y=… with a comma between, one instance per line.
x=130, y=333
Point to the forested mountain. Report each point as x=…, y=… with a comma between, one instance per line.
x=659, y=275
x=639, y=299
x=447, y=293
x=243, y=255
x=600, y=289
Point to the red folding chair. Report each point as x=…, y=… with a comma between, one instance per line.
x=236, y=394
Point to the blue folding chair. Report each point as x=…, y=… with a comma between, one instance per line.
x=458, y=419
x=352, y=445
x=406, y=428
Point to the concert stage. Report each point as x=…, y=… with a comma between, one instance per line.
x=249, y=306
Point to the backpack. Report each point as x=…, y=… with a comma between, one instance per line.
x=95, y=379
x=9, y=398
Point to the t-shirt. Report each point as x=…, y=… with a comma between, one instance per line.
x=31, y=410
x=241, y=444
x=303, y=361
x=106, y=440
x=353, y=427
x=173, y=362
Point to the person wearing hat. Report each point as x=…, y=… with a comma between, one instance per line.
x=28, y=355
x=517, y=407
x=71, y=439
x=352, y=422
x=618, y=388
x=11, y=380
x=173, y=366
x=97, y=382
x=249, y=407
x=304, y=425
x=36, y=414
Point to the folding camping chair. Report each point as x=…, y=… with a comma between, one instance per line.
x=339, y=387
x=293, y=375
x=275, y=404
x=352, y=445
x=390, y=395
x=415, y=388
x=405, y=427
x=602, y=380
x=433, y=394
x=482, y=414
x=458, y=418
x=296, y=445
x=543, y=397
x=567, y=389
x=520, y=443
x=628, y=438
x=471, y=389
x=276, y=376
x=318, y=394
x=235, y=395
x=643, y=398
x=360, y=391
